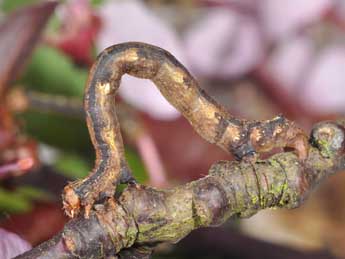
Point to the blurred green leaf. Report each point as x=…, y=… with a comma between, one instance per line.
x=136, y=165
x=20, y=200
x=53, y=25
x=11, y=5
x=12, y=202
x=73, y=166
x=33, y=193
x=66, y=133
x=76, y=167
x=51, y=71
x=97, y=2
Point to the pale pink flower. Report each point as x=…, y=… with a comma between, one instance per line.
x=325, y=84
x=224, y=43
x=281, y=18
x=11, y=245
x=289, y=62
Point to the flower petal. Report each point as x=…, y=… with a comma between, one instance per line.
x=280, y=18
x=224, y=44
x=11, y=245
x=289, y=60
x=325, y=84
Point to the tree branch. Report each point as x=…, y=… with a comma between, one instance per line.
x=143, y=216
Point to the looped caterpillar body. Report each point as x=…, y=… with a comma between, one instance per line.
x=207, y=117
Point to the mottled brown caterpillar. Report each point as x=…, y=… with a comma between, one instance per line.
x=208, y=118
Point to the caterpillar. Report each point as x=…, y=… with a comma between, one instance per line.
x=213, y=122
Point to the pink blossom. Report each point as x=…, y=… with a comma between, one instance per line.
x=281, y=18
x=224, y=43
x=289, y=60
x=324, y=86
x=11, y=245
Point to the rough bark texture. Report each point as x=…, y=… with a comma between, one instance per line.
x=130, y=225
